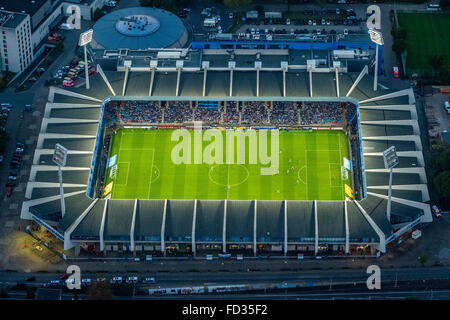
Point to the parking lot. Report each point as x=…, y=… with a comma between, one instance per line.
x=438, y=118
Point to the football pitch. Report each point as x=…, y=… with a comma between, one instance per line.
x=426, y=36
x=309, y=169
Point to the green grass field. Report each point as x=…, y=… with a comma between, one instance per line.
x=309, y=169
x=427, y=35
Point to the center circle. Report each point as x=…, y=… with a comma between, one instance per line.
x=137, y=25
x=228, y=175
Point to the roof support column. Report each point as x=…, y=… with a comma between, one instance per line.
x=163, y=229
x=257, y=82
x=310, y=84
x=100, y=70
x=258, y=65
x=337, y=65
x=231, y=66
x=102, y=228
x=231, y=82
x=194, y=220
x=224, y=228
x=205, y=66
x=179, y=66
x=285, y=229
x=284, y=67
x=127, y=65
x=153, y=67
x=255, y=219
x=316, y=228
x=133, y=224
x=67, y=241
x=347, y=230
x=178, y=82
x=381, y=235
x=152, y=79
x=363, y=72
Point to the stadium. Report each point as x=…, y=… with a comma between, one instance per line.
x=329, y=196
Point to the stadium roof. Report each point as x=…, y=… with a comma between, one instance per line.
x=388, y=117
x=139, y=28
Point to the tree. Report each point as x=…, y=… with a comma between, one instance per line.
x=99, y=290
x=442, y=184
x=436, y=62
x=30, y=293
x=98, y=13
x=2, y=83
x=445, y=4
x=4, y=292
x=399, y=46
x=440, y=157
x=60, y=46
x=398, y=33
x=423, y=259
x=234, y=4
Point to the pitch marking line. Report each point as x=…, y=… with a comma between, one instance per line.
x=128, y=173
x=340, y=163
x=298, y=174
x=151, y=175
x=306, y=176
x=329, y=166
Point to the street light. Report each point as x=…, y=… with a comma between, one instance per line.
x=376, y=38
x=390, y=161
x=85, y=39
x=60, y=159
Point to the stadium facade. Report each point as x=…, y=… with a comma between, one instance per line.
x=387, y=117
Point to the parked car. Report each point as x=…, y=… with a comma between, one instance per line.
x=436, y=211
x=116, y=280
x=19, y=149
x=9, y=191
x=65, y=26
x=148, y=280
x=132, y=279
x=53, y=283
x=7, y=105
x=395, y=72
x=110, y=4
x=67, y=84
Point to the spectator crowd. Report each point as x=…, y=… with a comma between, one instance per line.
x=246, y=112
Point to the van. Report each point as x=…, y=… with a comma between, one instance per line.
x=65, y=26
x=447, y=106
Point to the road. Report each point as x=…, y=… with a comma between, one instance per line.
x=308, y=277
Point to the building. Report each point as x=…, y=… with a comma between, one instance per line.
x=87, y=7
x=139, y=28
x=16, y=50
x=43, y=15
x=387, y=117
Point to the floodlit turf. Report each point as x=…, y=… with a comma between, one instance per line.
x=427, y=35
x=309, y=169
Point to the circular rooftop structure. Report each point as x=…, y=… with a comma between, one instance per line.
x=140, y=28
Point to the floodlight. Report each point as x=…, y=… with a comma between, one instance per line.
x=376, y=36
x=85, y=37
